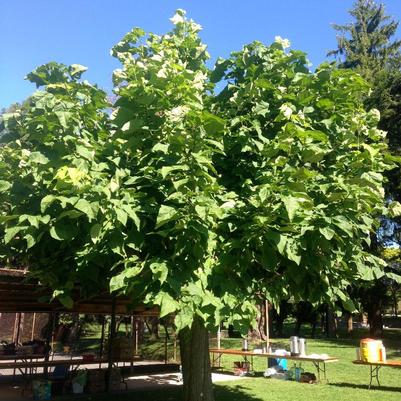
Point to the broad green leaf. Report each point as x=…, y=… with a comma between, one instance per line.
x=278, y=239
x=85, y=152
x=63, y=232
x=4, y=186
x=38, y=157
x=166, y=214
x=132, y=215
x=167, y=304
x=46, y=202
x=213, y=124
x=121, y=216
x=63, y=117
x=90, y=209
x=291, y=204
x=95, y=231
x=160, y=271
x=327, y=232
x=10, y=233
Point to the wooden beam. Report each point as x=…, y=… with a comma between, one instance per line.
x=111, y=340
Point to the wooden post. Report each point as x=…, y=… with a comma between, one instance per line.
x=132, y=343
x=18, y=327
x=53, y=330
x=165, y=347
x=175, y=347
x=136, y=336
x=15, y=327
x=267, y=324
x=102, y=341
x=33, y=326
x=111, y=340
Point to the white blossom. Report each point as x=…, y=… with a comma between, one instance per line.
x=178, y=18
x=177, y=113
x=286, y=110
x=283, y=42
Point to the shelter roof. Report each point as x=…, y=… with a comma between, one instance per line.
x=18, y=293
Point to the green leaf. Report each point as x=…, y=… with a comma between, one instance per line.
x=183, y=319
x=90, y=209
x=85, y=152
x=161, y=147
x=166, y=170
x=38, y=158
x=349, y=305
x=344, y=224
x=327, y=232
x=63, y=118
x=121, y=216
x=291, y=204
x=30, y=240
x=4, y=186
x=160, y=271
x=166, y=214
x=278, y=239
x=167, y=304
x=95, y=231
x=292, y=251
x=10, y=233
x=132, y=215
x=63, y=232
x=212, y=123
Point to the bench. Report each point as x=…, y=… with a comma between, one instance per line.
x=375, y=367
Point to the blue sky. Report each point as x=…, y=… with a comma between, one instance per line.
x=34, y=32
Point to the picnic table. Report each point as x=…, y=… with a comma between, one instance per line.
x=318, y=363
x=375, y=367
x=29, y=365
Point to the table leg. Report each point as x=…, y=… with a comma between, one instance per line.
x=374, y=373
x=320, y=368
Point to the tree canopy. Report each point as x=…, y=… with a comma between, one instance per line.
x=196, y=200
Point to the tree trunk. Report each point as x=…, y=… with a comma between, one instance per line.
x=375, y=319
x=349, y=322
x=195, y=361
x=331, y=323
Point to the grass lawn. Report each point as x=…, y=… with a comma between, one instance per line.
x=347, y=382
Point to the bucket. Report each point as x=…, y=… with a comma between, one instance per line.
x=370, y=350
x=294, y=346
x=302, y=346
x=77, y=388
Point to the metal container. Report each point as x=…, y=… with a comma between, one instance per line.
x=294, y=348
x=302, y=346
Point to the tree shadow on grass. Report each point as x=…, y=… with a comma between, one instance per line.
x=366, y=387
x=166, y=393
x=233, y=393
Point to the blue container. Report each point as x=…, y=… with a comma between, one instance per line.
x=277, y=362
x=42, y=390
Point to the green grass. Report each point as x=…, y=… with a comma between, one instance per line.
x=347, y=382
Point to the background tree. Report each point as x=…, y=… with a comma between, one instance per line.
x=198, y=202
x=367, y=46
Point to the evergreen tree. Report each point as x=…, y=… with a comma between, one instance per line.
x=366, y=43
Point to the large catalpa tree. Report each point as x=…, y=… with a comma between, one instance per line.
x=195, y=201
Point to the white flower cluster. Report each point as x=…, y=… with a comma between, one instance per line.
x=283, y=42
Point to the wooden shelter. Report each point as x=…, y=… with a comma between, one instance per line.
x=18, y=294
